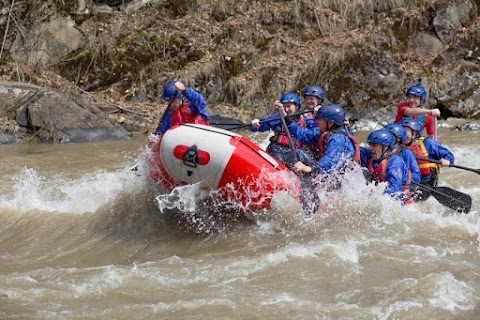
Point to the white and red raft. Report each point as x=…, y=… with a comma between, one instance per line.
x=241, y=171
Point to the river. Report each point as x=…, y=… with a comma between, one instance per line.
x=82, y=237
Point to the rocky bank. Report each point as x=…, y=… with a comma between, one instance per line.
x=83, y=70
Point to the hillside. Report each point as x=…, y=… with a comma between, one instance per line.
x=244, y=54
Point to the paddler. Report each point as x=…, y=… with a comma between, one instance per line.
x=188, y=106
x=426, y=147
x=314, y=97
x=400, y=135
x=386, y=166
x=414, y=108
x=336, y=146
x=279, y=146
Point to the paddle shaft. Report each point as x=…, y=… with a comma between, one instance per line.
x=244, y=125
x=308, y=210
x=164, y=115
x=289, y=136
x=451, y=165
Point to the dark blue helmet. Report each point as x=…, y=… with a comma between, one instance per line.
x=397, y=130
x=290, y=97
x=315, y=91
x=417, y=90
x=332, y=112
x=169, y=91
x=383, y=137
x=412, y=124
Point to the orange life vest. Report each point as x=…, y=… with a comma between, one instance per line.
x=323, y=142
x=426, y=164
x=419, y=150
x=185, y=115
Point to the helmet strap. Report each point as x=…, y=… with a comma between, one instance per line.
x=385, y=153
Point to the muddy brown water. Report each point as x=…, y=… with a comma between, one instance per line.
x=82, y=236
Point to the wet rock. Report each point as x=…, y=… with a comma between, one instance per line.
x=366, y=125
x=469, y=126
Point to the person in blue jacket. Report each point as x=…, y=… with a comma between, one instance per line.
x=188, y=106
x=426, y=147
x=279, y=146
x=336, y=146
x=400, y=134
x=385, y=166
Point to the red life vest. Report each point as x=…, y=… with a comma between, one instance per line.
x=420, y=151
x=282, y=138
x=323, y=142
x=185, y=115
x=380, y=174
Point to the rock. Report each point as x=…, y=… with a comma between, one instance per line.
x=469, y=126
x=426, y=44
x=366, y=125
x=460, y=93
x=449, y=20
x=56, y=116
x=47, y=43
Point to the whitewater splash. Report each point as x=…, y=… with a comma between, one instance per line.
x=31, y=191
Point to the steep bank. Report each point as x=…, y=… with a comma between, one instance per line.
x=244, y=54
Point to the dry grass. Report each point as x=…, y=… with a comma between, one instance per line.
x=275, y=46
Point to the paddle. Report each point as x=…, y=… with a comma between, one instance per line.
x=234, y=124
x=162, y=118
x=451, y=165
x=311, y=209
x=449, y=197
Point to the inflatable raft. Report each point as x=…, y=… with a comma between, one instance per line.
x=240, y=170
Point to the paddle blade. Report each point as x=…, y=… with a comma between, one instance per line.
x=453, y=199
x=227, y=123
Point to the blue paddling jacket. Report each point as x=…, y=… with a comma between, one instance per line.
x=339, y=147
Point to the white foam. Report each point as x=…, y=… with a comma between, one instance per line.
x=87, y=194
x=449, y=293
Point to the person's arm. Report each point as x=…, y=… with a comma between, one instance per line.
x=395, y=174
x=267, y=125
x=305, y=135
x=365, y=156
x=438, y=152
x=197, y=102
x=412, y=164
x=310, y=122
x=416, y=112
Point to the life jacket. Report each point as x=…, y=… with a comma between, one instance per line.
x=185, y=115
x=379, y=174
x=426, y=164
x=281, y=137
x=422, y=164
x=323, y=142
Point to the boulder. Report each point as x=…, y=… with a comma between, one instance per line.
x=57, y=116
x=48, y=43
x=456, y=15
